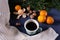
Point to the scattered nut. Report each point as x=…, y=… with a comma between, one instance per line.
x=18, y=24
x=31, y=16
x=24, y=15
x=28, y=14
x=30, y=11
x=34, y=14
x=28, y=8
x=18, y=16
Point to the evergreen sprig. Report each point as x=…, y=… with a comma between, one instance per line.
x=40, y=4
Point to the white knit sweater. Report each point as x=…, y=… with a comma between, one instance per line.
x=11, y=33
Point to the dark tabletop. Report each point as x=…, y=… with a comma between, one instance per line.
x=56, y=26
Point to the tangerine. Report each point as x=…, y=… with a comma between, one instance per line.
x=41, y=19
x=43, y=12
x=50, y=20
x=17, y=7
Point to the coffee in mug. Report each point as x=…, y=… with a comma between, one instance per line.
x=31, y=26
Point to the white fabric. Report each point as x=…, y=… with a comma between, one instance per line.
x=49, y=34
x=11, y=33
x=4, y=9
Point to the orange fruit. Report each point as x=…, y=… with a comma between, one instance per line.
x=50, y=20
x=43, y=12
x=41, y=19
x=17, y=7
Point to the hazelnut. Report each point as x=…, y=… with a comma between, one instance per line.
x=34, y=14
x=24, y=9
x=24, y=15
x=18, y=16
x=30, y=11
x=34, y=11
x=28, y=8
x=31, y=16
x=18, y=24
x=28, y=14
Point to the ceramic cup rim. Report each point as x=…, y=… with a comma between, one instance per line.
x=31, y=20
